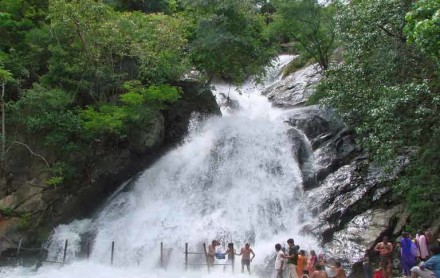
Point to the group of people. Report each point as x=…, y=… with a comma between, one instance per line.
x=419, y=257
x=295, y=263
x=245, y=253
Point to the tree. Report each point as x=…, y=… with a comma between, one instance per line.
x=228, y=41
x=309, y=23
x=94, y=49
x=146, y=6
x=5, y=77
x=137, y=106
x=423, y=27
x=17, y=19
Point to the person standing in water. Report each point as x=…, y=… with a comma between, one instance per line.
x=231, y=254
x=292, y=258
x=211, y=252
x=385, y=250
x=279, y=261
x=246, y=259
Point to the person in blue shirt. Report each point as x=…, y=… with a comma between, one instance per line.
x=430, y=268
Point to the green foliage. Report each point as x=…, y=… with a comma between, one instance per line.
x=146, y=6
x=420, y=184
x=228, y=40
x=60, y=172
x=423, y=27
x=137, y=106
x=309, y=23
x=107, y=119
x=295, y=65
x=7, y=211
x=72, y=99
x=5, y=75
x=25, y=221
x=45, y=114
x=94, y=49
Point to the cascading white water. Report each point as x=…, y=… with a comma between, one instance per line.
x=234, y=179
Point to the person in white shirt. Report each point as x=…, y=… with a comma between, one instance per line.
x=279, y=261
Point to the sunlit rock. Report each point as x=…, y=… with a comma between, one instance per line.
x=295, y=88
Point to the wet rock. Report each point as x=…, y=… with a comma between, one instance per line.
x=226, y=101
x=332, y=142
x=303, y=153
x=195, y=98
x=295, y=88
x=364, y=231
x=147, y=137
x=347, y=193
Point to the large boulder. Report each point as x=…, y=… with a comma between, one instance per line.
x=332, y=143
x=294, y=89
x=364, y=231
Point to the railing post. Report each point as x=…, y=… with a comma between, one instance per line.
x=186, y=256
x=161, y=254
x=207, y=258
x=88, y=249
x=233, y=256
x=19, y=248
x=113, y=250
x=65, y=251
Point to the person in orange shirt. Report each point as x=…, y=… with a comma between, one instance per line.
x=302, y=263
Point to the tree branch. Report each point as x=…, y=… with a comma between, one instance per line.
x=29, y=149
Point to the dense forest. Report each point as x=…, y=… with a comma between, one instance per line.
x=78, y=75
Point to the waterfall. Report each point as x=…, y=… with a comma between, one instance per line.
x=234, y=179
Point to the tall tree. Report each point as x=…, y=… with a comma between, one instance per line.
x=423, y=27
x=5, y=77
x=309, y=23
x=94, y=49
x=228, y=41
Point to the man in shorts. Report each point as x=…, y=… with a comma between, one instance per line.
x=246, y=259
x=385, y=250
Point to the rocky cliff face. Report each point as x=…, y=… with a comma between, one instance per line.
x=29, y=208
x=350, y=198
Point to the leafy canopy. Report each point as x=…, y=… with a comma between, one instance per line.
x=228, y=41
x=310, y=24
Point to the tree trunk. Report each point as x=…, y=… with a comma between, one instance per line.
x=3, y=122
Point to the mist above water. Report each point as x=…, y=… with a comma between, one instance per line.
x=234, y=179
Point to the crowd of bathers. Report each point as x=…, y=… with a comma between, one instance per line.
x=417, y=256
x=293, y=262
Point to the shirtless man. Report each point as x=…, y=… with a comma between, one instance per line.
x=340, y=272
x=246, y=259
x=319, y=272
x=385, y=250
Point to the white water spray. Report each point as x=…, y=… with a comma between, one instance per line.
x=234, y=179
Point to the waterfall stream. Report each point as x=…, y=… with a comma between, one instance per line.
x=234, y=179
